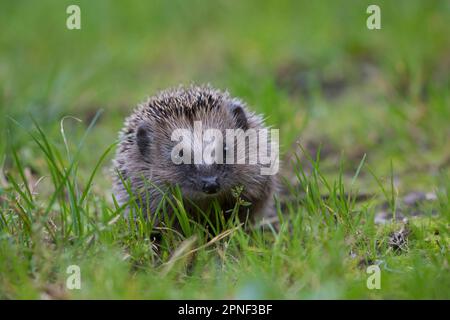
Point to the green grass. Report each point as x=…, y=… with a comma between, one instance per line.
x=370, y=109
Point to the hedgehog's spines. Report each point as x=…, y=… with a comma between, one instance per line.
x=178, y=108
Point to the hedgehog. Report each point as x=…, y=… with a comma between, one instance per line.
x=144, y=168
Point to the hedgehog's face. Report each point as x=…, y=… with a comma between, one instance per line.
x=199, y=157
x=199, y=168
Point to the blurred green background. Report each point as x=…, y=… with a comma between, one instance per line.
x=311, y=67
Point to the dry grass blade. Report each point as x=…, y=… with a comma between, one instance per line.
x=178, y=254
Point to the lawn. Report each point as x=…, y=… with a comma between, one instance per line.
x=364, y=119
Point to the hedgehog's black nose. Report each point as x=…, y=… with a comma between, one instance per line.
x=210, y=185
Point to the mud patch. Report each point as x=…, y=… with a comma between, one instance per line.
x=298, y=79
x=411, y=205
x=301, y=79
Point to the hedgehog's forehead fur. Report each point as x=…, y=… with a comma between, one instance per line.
x=179, y=107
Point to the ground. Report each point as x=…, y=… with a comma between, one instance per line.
x=366, y=111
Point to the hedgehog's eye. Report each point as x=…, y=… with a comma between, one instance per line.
x=181, y=153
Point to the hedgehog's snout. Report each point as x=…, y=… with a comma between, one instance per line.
x=210, y=184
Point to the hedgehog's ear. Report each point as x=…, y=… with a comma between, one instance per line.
x=239, y=115
x=143, y=139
